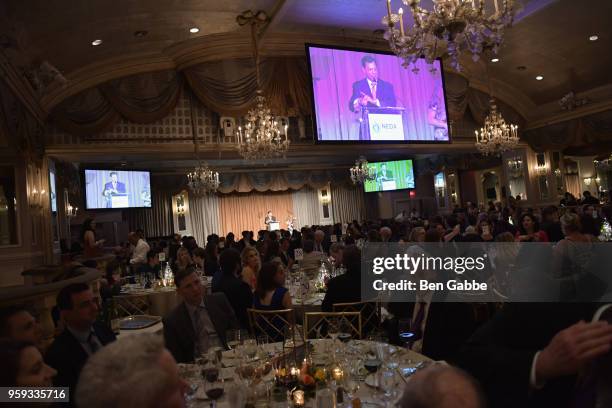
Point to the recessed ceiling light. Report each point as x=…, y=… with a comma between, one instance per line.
x=140, y=33
x=96, y=42
x=594, y=38
x=495, y=59
x=521, y=68
x=539, y=77
x=194, y=30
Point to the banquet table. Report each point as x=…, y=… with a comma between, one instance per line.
x=406, y=363
x=134, y=299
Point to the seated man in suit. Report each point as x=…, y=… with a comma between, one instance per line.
x=531, y=354
x=199, y=322
x=228, y=282
x=82, y=335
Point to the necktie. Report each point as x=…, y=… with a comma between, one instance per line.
x=200, y=334
x=373, y=90
x=417, y=323
x=92, y=343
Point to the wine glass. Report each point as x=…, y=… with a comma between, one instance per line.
x=333, y=328
x=250, y=348
x=214, y=390
x=404, y=331
x=386, y=383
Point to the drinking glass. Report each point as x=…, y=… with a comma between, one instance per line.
x=386, y=382
x=250, y=348
x=333, y=329
x=324, y=398
x=404, y=331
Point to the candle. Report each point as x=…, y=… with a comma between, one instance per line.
x=295, y=371
x=496, y=8
x=337, y=373
x=298, y=398
x=389, y=12
x=401, y=22
x=476, y=132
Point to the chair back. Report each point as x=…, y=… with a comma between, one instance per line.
x=270, y=325
x=316, y=323
x=601, y=370
x=370, y=314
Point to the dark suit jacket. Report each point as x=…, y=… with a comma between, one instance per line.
x=384, y=93
x=179, y=334
x=501, y=352
x=120, y=187
x=68, y=357
x=447, y=327
x=238, y=294
x=342, y=289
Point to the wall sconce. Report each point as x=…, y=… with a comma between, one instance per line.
x=71, y=211
x=541, y=169
x=180, y=205
x=588, y=181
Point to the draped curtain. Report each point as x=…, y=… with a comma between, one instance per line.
x=347, y=203
x=155, y=221
x=204, y=216
x=276, y=181
x=305, y=207
x=572, y=184
x=240, y=212
x=142, y=98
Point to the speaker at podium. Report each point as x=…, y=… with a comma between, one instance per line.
x=273, y=226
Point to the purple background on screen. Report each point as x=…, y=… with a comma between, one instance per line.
x=333, y=75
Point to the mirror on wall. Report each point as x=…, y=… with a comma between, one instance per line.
x=557, y=173
x=490, y=186
x=515, y=168
x=452, y=192
x=541, y=170
x=53, y=200
x=440, y=186
x=8, y=207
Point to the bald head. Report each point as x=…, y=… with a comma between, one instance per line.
x=442, y=386
x=385, y=233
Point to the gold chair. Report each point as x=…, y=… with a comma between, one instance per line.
x=370, y=314
x=315, y=323
x=271, y=324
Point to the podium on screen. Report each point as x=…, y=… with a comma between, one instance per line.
x=384, y=123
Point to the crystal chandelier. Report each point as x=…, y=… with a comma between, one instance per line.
x=203, y=180
x=603, y=165
x=262, y=137
x=361, y=172
x=496, y=136
x=452, y=26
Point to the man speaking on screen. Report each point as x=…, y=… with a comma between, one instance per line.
x=113, y=188
x=371, y=91
x=383, y=174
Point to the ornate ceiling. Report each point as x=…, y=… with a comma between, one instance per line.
x=550, y=38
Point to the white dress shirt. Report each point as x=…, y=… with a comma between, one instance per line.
x=140, y=252
x=370, y=84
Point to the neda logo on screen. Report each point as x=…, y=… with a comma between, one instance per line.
x=411, y=264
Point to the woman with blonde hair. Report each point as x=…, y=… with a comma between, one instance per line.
x=251, y=263
x=417, y=234
x=183, y=260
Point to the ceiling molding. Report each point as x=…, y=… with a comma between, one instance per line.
x=569, y=115
x=22, y=90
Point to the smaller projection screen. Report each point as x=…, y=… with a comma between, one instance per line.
x=390, y=176
x=107, y=189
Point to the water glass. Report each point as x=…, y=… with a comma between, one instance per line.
x=325, y=398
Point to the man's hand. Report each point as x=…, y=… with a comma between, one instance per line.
x=572, y=348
